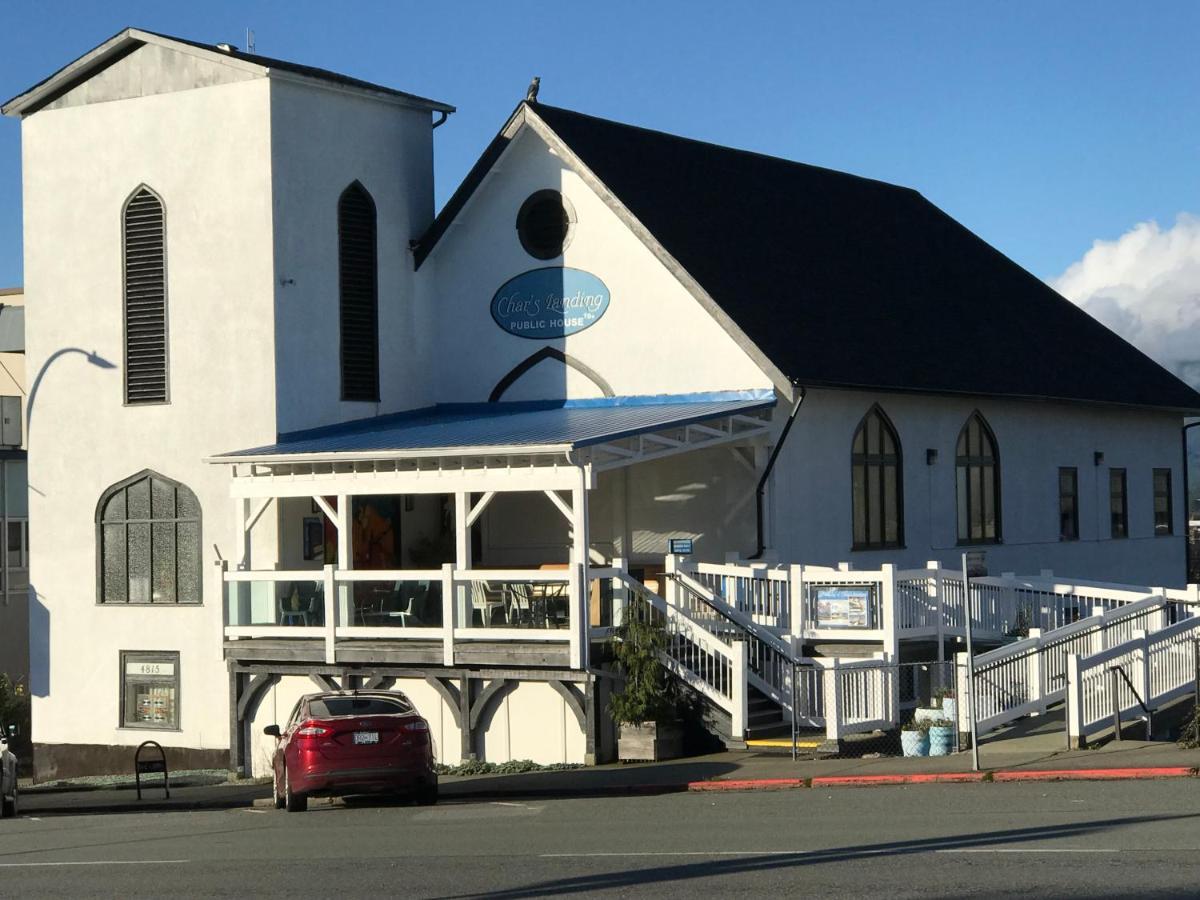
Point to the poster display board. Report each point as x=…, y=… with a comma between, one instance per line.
x=844, y=607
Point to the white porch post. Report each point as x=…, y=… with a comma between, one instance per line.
x=345, y=559
x=238, y=593
x=580, y=618
x=241, y=536
x=462, y=556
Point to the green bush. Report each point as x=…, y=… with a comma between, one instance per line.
x=1189, y=735
x=649, y=693
x=14, y=704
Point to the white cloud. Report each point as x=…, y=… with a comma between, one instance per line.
x=1145, y=286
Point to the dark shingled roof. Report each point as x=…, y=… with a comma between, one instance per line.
x=848, y=282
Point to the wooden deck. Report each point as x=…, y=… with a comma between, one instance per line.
x=428, y=653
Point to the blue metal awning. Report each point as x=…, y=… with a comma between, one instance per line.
x=540, y=426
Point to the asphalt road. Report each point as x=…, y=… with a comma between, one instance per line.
x=1072, y=839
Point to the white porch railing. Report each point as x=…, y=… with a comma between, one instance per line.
x=1147, y=670
x=448, y=605
x=802, y=600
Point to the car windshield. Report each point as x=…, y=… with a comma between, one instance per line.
x=331, y=707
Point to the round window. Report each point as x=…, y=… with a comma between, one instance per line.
x=544, y=224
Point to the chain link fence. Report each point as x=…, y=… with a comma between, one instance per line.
x=883, y=710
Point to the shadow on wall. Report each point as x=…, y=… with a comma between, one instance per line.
x=39, y=645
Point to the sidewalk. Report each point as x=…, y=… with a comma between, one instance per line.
x=719, y=771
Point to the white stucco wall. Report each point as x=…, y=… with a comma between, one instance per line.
x=532, y=722
x=321, y=142
x=654, y=338
x=810, y=496
x=206, y=152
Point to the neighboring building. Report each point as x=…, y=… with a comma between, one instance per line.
x=308, y=433
x=14, y=512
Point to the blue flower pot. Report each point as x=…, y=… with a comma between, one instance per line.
x=941, y=740
x=914, y=743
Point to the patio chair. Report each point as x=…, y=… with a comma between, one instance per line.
x=296, y=606
x=396, y=608
x=486, y=603
x=520, y=600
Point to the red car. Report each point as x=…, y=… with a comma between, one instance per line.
x=353, y=742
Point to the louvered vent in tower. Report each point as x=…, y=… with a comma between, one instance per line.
x=145, y=300
x=357, y=280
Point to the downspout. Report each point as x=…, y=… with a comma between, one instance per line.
x=444, y=116
x=762, y=482
x=1187, y=503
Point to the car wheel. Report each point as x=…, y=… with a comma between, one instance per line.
x=426, y=795
x=292, y=802
x=277, y=790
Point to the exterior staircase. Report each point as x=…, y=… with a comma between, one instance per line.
x=734, y=642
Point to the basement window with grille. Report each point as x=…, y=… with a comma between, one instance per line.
x=358, y=285
x=544, y=224
x=144, y=235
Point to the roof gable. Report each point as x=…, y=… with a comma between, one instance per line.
x=98, y=60
x=843, y=281
x=147, y=70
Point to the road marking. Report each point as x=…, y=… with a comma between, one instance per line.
x=99, y=862
x=1028, y=850
x=517, y=805
x=678, y=853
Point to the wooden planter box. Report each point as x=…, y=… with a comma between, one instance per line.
x=650, y=741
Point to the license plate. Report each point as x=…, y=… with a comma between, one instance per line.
x=366, y=737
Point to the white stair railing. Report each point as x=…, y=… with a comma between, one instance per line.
x=1028, y=676
x=843, y=696
x=771, y=664
x=1147, y=670
x=702, y=660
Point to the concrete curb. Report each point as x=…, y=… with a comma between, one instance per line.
x=748, y=784
x=1010, y=776
x=883, y=780
x=1097, y=774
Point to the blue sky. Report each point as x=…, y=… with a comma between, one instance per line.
x=1041, y=126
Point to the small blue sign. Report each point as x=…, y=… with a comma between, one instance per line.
x=680, y=546
x=550, y=303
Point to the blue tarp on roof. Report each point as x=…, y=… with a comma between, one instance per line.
x=569, y=425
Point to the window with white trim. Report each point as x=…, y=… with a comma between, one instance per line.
x=150, y=689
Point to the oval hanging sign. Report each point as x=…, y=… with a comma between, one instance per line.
x=550, y=303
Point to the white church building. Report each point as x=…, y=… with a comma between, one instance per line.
x=291, y=428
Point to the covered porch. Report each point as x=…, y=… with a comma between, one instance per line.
x=364, y=544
